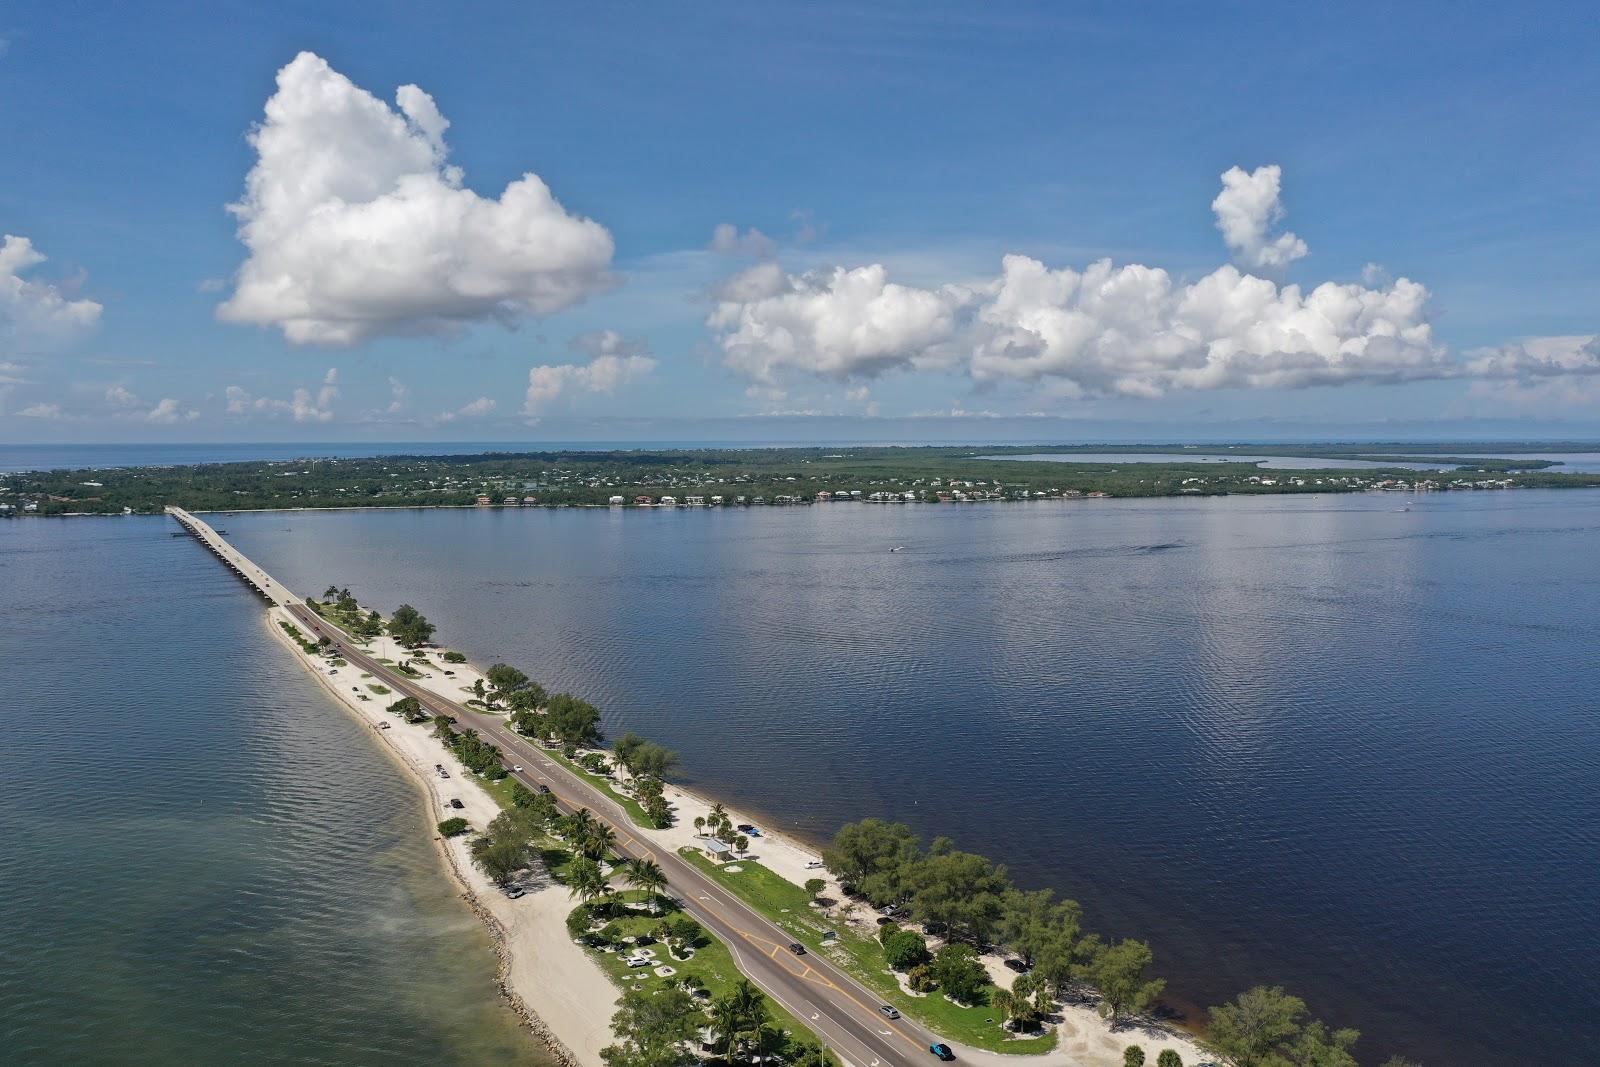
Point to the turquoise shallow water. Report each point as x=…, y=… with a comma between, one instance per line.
x=206, y=861
x=1315, y=741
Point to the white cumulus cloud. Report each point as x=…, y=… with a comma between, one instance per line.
x=36, y=311
x=303, y=405
x=167, y=411
x=42, y=411
x=120, y=397
x=1107, y=329
x=1132, y=330
x=614, y=362
x=1537, y=357
x=727, y=239
x=472, y=410
x=837, y=323
x=1248, y=207
x=357, y=227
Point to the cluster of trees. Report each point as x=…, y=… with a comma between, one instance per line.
x=717, y=824
x=340, y=602
x=1266, y=1027
x=410, y=709
x=506, y=845
x=1133, y=1056
x=574, y=723
x=479, y=755
x=971, y=902
x=510, y=688
x=408, y=626
x=647, y=764
x=563, y=718
x=661, y=1028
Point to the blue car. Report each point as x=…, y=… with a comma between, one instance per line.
x=941, y=1050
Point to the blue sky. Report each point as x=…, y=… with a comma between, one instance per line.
x=1434, y=167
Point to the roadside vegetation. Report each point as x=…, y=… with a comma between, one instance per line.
x=666, y=1004
x=935, y=911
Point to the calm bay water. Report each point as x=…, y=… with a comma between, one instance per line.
x=205, y=861
x=1303, y=740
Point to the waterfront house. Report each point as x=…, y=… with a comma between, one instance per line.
x=716, y=500
x=669, y=501
x=510, y=501
x=614, y=501
x=483, y=501
x=529, y=501
x=641, y=500
x=695, y=501
x=714, y=849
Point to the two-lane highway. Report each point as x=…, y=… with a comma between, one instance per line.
x=841, y=1012
x=836, y=1007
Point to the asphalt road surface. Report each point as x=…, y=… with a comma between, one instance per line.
x=839, y=1010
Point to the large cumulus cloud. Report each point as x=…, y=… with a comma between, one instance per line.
x=838, y=324
x=357, y=227
x=1106, y=329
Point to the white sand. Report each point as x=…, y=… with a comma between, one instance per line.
x=559, y=983
x=543, y=971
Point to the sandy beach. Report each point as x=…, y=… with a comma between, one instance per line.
x=567, y=997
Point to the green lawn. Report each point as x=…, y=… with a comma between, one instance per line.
x=789, y=908
x=712, y=964
x=630, y=805
x=381, y=690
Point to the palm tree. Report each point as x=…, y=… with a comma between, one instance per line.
x=585, y=881
x=727, y=1021
x=597, y=840
x=699, y=824
x=751, y=1002
x=648, y=876
x=577, y=825
x=1004, y=1003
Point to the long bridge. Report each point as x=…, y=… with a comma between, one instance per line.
x=837, y=1008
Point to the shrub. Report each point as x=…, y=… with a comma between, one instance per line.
x=904, y=949
x=1133, y=1056
x=454, y=657
x=814, y=887
x=578, y=920
x=454, y=827
x=921, y=979
x=1169, y=1058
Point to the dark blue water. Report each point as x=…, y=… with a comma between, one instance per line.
x=204, y=860
x=1311, y=740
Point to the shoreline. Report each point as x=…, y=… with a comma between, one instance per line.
x=576, y=1028
x=456, y=865
x=548, y=977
